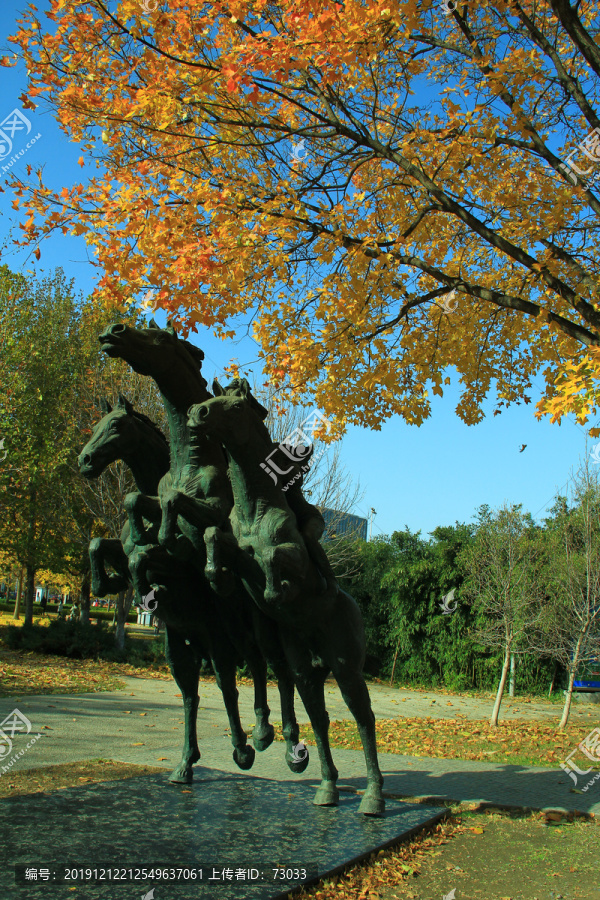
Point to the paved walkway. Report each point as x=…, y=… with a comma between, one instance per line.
x=144, y=724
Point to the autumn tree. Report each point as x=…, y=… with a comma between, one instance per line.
x=386, y=190
x=37, y=322
x=51, y=379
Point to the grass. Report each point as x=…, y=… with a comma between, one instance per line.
x=480, y=856
x=523, y=742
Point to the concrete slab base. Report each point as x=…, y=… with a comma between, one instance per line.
x=224, y=837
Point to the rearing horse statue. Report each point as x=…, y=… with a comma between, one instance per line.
x=123, y=433
x=321, y=627
x=196, y=491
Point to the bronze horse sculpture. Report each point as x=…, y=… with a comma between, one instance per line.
x=321, y=628
x=198, y=472
x=123, y=433
x=253, y=547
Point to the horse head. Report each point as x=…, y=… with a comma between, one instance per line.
x=119, y=434
x=229, y=416
x=157, y=352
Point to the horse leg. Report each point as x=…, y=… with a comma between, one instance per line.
x=263, y=734
x=266, y=630
x=103, y=551
x=187, y=515
x=138, y=561
x=356, y=697
x=222, y=552
x=167, y=534
x=224, y=665
x=296, y=755
x=310, y=682
x=181, y=538
x=184, y=664
x=140, y=507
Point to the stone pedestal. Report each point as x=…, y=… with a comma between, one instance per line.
x=265, y=835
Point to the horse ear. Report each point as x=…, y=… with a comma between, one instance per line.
x=105, y=406
x=245, y=387
x=218, y=391
x=152, y=324
x=170, y=328
x=123, y=403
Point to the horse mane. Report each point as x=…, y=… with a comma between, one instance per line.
x=148, y=421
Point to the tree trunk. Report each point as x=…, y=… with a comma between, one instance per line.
x=29, y=593
x=553, y=680
x=30, y=566
x=511, y=683
x=17, y=612
x=123, y=606
x=85, y=598
x=394, y=665
x=501, y=686
x=569, y=693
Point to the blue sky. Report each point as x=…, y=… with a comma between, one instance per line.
x=420, y=477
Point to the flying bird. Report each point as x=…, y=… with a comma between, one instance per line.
x=522, y=448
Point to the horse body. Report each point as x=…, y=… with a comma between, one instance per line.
x=321, y=628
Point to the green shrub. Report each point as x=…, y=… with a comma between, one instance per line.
x=456, y=682
x=77, y=641
x=62, y=638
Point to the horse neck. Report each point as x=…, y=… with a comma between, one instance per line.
x=253, y=489
x=177, y=415
x=148, y=462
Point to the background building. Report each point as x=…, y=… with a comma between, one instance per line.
x=341, y=524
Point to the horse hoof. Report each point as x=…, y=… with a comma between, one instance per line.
x=327, y=795
x=244, y=757
x=372, y=806
x=296, y=764
x=263, y=738
x=183, y=774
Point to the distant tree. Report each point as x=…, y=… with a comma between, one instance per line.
x=372, y=561
x=500, y=581
x=449, y=637
x=52, y=377
x=569, y=630
x=37, y=378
